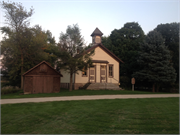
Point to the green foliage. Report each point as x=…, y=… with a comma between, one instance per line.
x=71, y=44
x=3, y=84
x=124, y=43
x=16, y=15
x=13, y=45
x=170, y=32
x=51, y=49
x=106, y=41
x=155, y=59
x=23, y=47
x=32, y=42
x=10, y=90
x=125, y=82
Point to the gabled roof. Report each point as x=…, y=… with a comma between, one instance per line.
x=97, y=32
x=40, y=64
x=103, y=48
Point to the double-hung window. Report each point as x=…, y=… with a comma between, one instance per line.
x=110, y=70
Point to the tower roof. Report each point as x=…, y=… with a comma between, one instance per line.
x=97, y=32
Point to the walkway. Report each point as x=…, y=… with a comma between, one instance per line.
x=93, y=97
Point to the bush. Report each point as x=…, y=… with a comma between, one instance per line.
x=10, y=89
x=4, y=83
x=125, y=82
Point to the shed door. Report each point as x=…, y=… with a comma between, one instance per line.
x=38, y=84
x=28, y=84
x=48, y=85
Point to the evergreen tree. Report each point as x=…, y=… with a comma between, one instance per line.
x=155, y=59
x=170, y=32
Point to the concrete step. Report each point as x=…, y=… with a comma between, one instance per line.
x=97, y=86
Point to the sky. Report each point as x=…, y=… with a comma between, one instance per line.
x=107, y=15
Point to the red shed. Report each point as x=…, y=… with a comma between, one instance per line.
x=42, y=78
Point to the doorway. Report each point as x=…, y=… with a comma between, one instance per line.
x=92, y=74
x=103, y=77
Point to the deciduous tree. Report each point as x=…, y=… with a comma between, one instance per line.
x=22, y=46
x=32, y=43
x=125, y=43
x=72, y=56
x=17, y=19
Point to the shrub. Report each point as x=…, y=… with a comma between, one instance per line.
x=4, y=83
x=10, y=89
x=125, y=82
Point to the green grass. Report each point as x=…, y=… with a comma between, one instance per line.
x=117, y=116
x=65, y=92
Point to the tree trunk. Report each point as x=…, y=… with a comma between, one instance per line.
x=22, y=70
x=70, y=87
x=153, y=89
x=158, y=85
x=157, y=90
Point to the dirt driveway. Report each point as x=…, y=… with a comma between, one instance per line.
x=93, y=97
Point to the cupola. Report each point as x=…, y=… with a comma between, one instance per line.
x=96, y=36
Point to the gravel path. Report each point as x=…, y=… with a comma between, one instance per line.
x=93, y=97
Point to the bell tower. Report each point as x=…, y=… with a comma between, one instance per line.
x=96, y=36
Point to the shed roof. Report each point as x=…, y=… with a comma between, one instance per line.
x=40, y=64
x=97, y=32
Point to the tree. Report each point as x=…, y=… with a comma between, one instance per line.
x=51, y=49
x=124, y=43
x=71, y=43
x=156, y=61
x=106, y=41
x=17, y=20
x=23, y=47
x=32, y=43
x=170, y=32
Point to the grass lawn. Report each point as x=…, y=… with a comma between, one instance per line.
x=65, y=92
x=114, y=116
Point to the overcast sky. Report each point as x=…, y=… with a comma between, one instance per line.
x=107, y=15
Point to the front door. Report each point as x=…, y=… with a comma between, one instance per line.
x=103, y=74
x=92, y=74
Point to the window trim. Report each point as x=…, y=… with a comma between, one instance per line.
x=111, y=65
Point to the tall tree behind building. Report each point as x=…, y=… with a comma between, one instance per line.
x=125, y=43
x=156, y=62
x=170, y=32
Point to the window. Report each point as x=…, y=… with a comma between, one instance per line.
x=110, y=70
x=84, y=73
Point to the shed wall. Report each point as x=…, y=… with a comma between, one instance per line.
x=41, y=79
